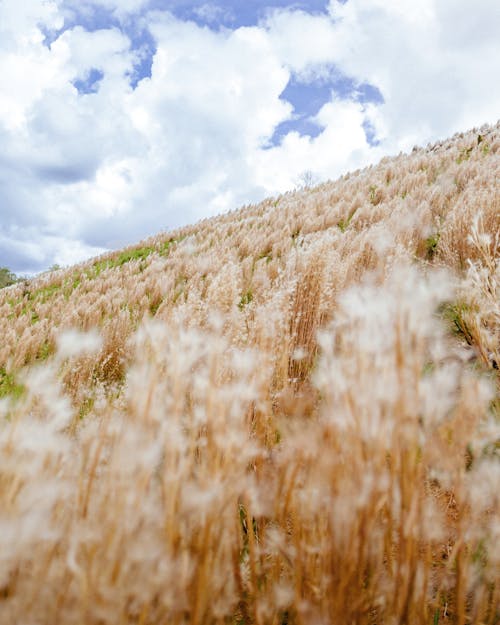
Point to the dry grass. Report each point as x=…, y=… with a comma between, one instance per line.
x=284, y=415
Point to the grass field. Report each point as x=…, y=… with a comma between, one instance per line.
x=285, y=415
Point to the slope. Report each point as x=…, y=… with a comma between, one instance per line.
x=285, y=414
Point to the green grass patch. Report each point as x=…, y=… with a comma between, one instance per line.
x=245, y=299
x=131, y=255
x=454, y=314
x=86, y=407
x=485, y=148
x=9, y=387
x=45, y=293
x=343, y=224
x=45, y=350
x=154, y=305
x=464, y=155
x=431, y=244
x=127, y=256
x=166, y=245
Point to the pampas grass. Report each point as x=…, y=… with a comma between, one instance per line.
x=288, y=414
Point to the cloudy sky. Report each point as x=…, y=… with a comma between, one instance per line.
x=123, y=118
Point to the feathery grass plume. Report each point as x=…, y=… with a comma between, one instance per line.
x=287, y=414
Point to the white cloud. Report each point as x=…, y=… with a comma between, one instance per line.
x=20, y=21
x=80, y=172
x=213, y=13
x=304, y=42
x=435, y=62
x=342, y=146
x=107, y=50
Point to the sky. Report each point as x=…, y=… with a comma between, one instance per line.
x=120, y=119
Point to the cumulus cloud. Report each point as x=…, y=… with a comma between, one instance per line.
x=95, y=156
x=304, y=42
x=434, y=62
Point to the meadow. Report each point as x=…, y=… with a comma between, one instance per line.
x=287, y=415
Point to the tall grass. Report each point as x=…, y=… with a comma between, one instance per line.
x=284, y=415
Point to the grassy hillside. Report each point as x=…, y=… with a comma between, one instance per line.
x=288, y=414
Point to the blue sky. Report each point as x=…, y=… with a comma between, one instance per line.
x=307, y=96
x=123, y=118
x=235, y=14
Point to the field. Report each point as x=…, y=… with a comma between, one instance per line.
x=285, y=415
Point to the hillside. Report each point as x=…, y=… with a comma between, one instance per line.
x=288, y=414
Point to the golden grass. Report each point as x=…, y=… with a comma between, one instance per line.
x=288, y=414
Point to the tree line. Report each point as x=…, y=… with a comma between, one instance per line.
x=7, y=277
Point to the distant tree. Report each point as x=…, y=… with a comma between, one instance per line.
x=307, y=180
x=6, y=277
